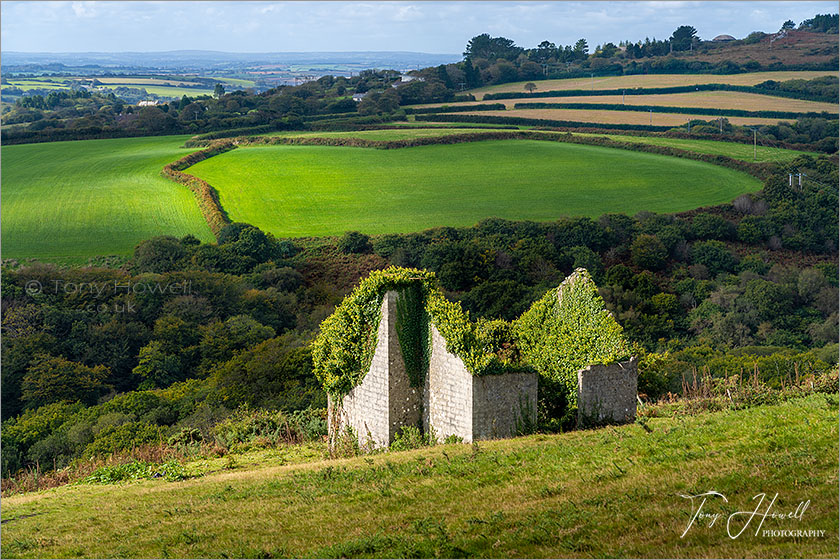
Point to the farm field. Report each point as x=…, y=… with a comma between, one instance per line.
x=700, y=99
x=654, y=80
x=734, y=150
x=296, y=191
x=384, y=134
x=612, y=492
x=74, y=200
x=617, y=117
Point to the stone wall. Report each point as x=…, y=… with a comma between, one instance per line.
x=503, y=403
x=607, y=393
x=384, y=400
x=449, y=397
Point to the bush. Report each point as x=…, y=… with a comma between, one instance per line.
x=113, y=439
x=354, y=242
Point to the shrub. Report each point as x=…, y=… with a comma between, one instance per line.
x=354, y=242
x=412, y=437
x=112, y=439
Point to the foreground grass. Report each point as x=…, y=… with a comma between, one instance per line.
x=653, y=80
x=296, y=191
x=74, y=200
x=610, y=492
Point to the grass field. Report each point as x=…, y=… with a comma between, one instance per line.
x=701, y=99
x=317, y=190
x=383, y=134
x=734, y=150
x=73, y=200
x=652, y=80
x=613, y=492
x=731, y=149
x=600, y=116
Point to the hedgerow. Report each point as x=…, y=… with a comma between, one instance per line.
x=523, y=121
x=454, y=108
x=205, y=194
x=658, y=91
x=667, y=109
x=568, y=329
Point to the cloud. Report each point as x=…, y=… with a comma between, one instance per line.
x=84, y=9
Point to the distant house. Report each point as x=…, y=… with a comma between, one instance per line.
x=406, y=78
x=147, y=103
x=723, y=38
x=357, y=97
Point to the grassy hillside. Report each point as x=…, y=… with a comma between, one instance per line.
x=652, y=80
x=314, y=190
x=74, y=200
x=614, y=492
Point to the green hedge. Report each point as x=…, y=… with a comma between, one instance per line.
x=667, y=109
x=454, y=108
x=522, y=121
x=655, y=91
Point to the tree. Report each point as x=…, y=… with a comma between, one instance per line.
x=581, y=48
x=530, y=87
x=648, y=252
x=50, y=379
x=354, y=242
x=159, y=254
x=218, y=91
x=683, y=38
x=491, y=48
x=789, y=24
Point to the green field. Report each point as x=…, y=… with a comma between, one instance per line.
x=614, y=492
x=73, y=200
x=734, y=150
x=317, y=190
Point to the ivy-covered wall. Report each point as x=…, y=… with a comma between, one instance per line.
x=565, y=331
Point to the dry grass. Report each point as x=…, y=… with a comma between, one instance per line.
x=653, y=80
x=702, y=99
x=616, y=117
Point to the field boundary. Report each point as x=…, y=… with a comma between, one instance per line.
x=657, y=90
x=205, y=194
x=671, y=109
x=208, y=198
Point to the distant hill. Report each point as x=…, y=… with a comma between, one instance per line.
x=209, y=59
x=793, y=48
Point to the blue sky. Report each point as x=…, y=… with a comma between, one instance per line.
x=433, y=27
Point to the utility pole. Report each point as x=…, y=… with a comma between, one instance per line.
x=622, y=97
x=721, y=124
x=651, y=117
x=755, y=137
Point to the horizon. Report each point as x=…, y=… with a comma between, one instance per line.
x=436, y=28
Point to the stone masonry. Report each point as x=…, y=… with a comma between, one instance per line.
x=453, y=402
x=607, y=393
x=384, y=401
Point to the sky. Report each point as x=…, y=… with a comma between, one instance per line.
x=431, y=27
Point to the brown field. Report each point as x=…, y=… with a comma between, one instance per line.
x=653, y=80
x=704, y=99
x=615, y=117
x=145, y=81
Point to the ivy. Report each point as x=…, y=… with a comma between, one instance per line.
x=568, y=329
x=563, y=332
